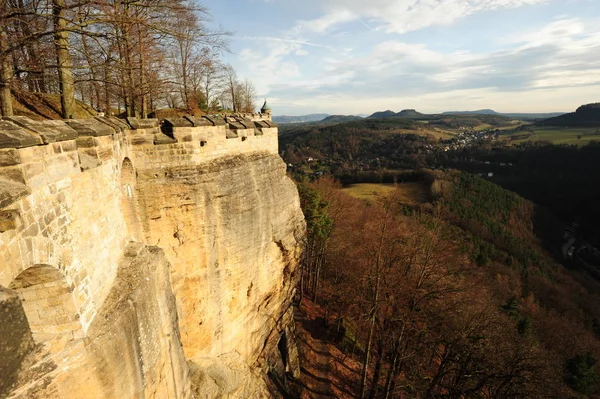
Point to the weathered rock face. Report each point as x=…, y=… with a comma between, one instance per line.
x=230, y=228
x=135, y=263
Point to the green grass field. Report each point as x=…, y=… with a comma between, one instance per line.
x=409, y=193
x=556, y=135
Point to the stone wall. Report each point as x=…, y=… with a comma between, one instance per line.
x=210, y=192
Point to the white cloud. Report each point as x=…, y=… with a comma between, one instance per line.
x=401, y=16
x=336, y=16
x=527, y=74
x=563, y=78
x=559, y=32
x=274, y=67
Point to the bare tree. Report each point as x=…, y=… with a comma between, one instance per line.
x=248, y=95
x=231, y=88
x=111, y=53
x=63, y=59
x=6, y=71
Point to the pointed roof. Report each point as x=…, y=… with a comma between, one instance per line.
x=265, y=107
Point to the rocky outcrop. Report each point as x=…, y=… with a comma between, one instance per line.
x=230, y=228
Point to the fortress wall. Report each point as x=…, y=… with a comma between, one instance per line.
x=69, y=219
x=215, y=199
x=195, y=145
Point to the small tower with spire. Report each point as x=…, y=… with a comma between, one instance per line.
x=266, y=110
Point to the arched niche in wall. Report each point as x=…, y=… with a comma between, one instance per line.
x=129, y=202
x=48, y=304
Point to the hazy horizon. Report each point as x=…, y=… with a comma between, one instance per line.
x=349, y=57
x=423, y=112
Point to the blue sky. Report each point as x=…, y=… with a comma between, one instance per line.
x=361, y=56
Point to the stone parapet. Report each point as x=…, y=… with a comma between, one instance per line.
x=36, y=153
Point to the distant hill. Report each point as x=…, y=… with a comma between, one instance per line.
x=534, y=116
x=405, y=113
x=517, y=115
x=383, y=114
x=409, y=113
x=299, y=118
x=585, y=116
x=478, y=112
x=340, y=118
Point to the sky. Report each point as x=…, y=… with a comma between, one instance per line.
x=361, y=56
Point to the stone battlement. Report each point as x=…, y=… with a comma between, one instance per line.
x=71, y=146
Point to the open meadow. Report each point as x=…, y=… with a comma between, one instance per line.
x=555, y=135
x=409, y=193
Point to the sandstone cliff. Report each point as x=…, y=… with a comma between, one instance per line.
x=140, y=262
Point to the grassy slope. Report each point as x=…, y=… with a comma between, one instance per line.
x=40, y=106
x=410, y=193
x=556, y=135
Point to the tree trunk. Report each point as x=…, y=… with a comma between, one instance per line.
x=363, y=378
x=320, y=260
x=6, y=73
x=391, y=376
x=142, y=66
x=63, y=58
x=94, y=72
x=143, y=91
x=377, y=372
x=365, y=368
x=124, y=44
x=107, y=107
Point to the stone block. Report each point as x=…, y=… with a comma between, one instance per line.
x=31, y=231
x=231, y=134
x=137, y=123
x=32, y=170
x=9, y=157
x=140, y=139
x=56, y=148
x=234, y=125
x=216, y=120
x=199, y=121
x=120, y=122
x=162, y=138
x=51, y=131
x=14, y=136
x=11, y=191
x=105, y=154
x=90, y=127
x=9, y=220
x=57, y=131
x=68, y=146
x=247, y=123
x=177, y=122
x=117, y=124
x=88, y=159
x=86, y=142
